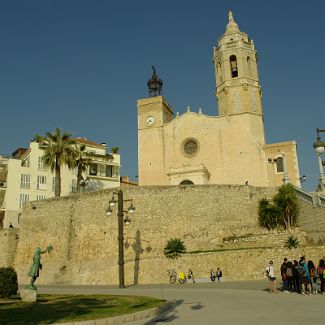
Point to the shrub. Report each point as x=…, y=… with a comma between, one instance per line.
x=268, y=214
x=283, y=212
x=174, y=248
x=292, y=242
x=286, y=201
x=8, y=282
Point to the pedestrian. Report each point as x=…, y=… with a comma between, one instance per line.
x=313, y=276
x=219, y=274
x=283, y=271
x=289, y=274
x=321, y=274
x=212, y=275
x=305, y=277
x=181, y=277
x=271, y=276
x=296, y=277
x=191, y=275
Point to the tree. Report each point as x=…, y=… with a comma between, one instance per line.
x=82, y=161
x=58, y=150
x=268, y=214
x=174, y=248
x=115, y=150
x=286, y=201
x=282, y=212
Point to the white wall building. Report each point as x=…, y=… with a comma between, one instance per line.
x=24, y=177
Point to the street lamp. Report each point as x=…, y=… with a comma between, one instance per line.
x=319, y=146
x=121, y=221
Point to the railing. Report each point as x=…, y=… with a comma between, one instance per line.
x=315, y=199
x=305, y=196
x=321, y=200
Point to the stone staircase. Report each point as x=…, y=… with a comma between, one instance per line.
x=312, y=215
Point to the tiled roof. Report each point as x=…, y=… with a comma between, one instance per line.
x=88, y=142
x=19, y=152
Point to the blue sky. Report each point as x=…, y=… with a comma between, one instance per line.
x=82, y=65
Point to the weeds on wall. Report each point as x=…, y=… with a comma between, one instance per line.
x=292, y=242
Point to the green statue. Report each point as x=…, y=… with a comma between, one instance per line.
x=37, y=266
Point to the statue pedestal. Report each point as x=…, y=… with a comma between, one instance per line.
x=28, y=295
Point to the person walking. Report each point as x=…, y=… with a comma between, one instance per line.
x=212, y=275
x=191, y=275
x=219, y=274
x=271, y=276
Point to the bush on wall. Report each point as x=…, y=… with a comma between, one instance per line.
x=292, y=242
x=174, y=248
x=8, y=282
x=283, y=212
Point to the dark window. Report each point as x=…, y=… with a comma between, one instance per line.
x=186, y=182
x=93, y=169
x=279, y=165
x=249, y=66
x=233, y=66
x=109, y=171
x=190, y=147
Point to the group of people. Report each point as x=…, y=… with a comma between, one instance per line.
x=299, y=276
x=182, y=277
x=216, y=274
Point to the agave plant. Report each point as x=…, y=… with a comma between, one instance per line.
x=174, y=248
x=292, y=242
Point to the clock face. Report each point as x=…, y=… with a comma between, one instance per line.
x=150, y=120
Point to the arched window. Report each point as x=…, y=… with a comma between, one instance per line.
x=186, y=182
x=279, y=165
x=249, y=68
x=233, y=66
x=219, y=72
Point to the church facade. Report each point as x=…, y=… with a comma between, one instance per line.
x=229, y=148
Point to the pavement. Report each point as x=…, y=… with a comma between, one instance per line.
x=236, y=302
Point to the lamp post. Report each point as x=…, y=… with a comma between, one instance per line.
x=319, y=146
x=121, y=221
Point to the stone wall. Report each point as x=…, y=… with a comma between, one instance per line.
x=312, y=221
x=8, y=244
x=208, y=217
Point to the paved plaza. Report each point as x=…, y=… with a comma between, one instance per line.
x=240, y=302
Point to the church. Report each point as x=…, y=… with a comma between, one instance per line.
x=229, y=148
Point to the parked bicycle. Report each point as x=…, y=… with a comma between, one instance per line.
x=173, y=276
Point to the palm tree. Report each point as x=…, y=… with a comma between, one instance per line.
x=174, y=248
x=58, y=151
x=286, y=200
x=115, y=150
x=82, y=161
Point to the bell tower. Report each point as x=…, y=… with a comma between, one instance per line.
x=237, y=84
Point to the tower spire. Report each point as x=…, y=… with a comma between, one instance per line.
x=231, y=26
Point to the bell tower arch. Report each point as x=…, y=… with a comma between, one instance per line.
x=237, y=84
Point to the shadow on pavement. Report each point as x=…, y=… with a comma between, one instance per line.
x=168, y=316
x=171, y=314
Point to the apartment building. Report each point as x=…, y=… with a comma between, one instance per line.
x=24, y=177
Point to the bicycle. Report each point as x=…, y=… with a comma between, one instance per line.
x=173, y=276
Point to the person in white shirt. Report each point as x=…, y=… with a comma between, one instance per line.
x=271, y=276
